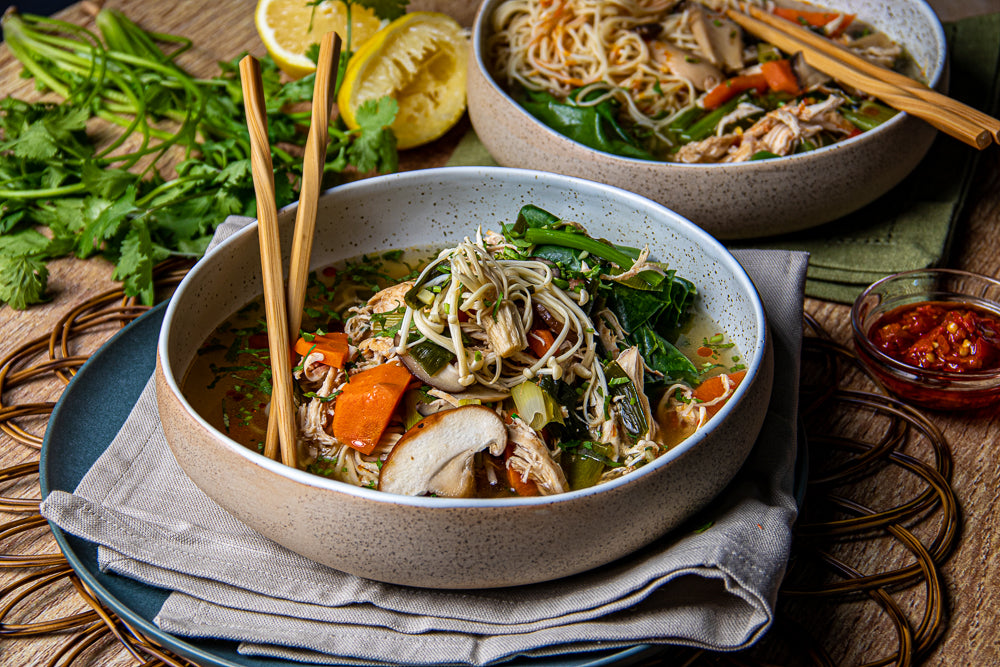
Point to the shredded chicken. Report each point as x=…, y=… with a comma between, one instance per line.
x=782, y=130
x=532, y=460
x=711, y=149
x=391, y=298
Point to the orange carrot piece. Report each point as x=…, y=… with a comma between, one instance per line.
x=366, y=403
x=540, y=341
x=520, y=486
x=333, y=346
x=780, y=76
x=815, y=19
x=730, y=88
x=713, y=387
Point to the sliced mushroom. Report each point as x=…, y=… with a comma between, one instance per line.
x=445, y=379
x=475, y=394
x=436, y=455
x=696, y=69
x=719, y=39
x=809, y=77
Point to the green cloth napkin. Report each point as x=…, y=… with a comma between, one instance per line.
x=910, y=227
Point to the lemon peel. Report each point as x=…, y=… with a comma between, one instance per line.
x=420, y=61
x=289, y=27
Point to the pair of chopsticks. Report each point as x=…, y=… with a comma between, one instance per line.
x=284, y=313
x=898, y=91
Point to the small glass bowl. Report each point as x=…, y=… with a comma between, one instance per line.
x=941, y=390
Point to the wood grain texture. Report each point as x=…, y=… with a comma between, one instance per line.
x=223, y=30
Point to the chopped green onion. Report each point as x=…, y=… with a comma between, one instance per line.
x=534, y=405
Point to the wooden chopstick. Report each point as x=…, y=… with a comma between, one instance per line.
x=282, y=406
x=312, y=177
x=944, y=113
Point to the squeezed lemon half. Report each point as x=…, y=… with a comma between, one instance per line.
x=419, y=60
x=284, y=27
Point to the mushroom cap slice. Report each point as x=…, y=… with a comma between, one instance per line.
x=696, y=69
x=436, y=454
x=446, y=379
x=719, y=39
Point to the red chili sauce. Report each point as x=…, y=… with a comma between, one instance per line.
x=940, y=336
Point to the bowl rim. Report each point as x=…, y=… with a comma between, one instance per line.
x=478, y=39
x=885, y=362
x=721, y=254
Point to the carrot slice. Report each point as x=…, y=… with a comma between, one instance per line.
x=780, y=76
x=333, y=346
x=714, y=387
x=540, y=341
x=366, y=403
x=815, y=19
x=730, y=88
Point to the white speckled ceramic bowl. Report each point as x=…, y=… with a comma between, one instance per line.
x=732, y=201
x=446, y=543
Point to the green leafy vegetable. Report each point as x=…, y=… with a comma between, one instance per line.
x=593, y=125
x=661, y=356
x=644, y=305
x=664, y=309
x=869, y=115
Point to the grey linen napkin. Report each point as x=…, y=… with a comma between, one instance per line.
x=710, y=584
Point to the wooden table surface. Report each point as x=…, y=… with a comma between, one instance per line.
x=856, y=631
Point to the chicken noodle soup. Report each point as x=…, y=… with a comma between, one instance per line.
x=529, y=360
x=677, y=80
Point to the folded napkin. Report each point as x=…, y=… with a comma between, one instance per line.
x=712, y=583
x=910, y=227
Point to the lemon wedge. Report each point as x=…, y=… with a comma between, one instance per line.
x=284, y=27
x=420, y=61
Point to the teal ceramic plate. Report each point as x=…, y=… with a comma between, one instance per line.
x=85, y=421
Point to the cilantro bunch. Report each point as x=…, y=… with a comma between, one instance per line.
x=177, y=165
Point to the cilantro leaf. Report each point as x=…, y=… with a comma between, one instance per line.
x=385, y=9
x=23, y=279
x=375, y=146
x=135, y=265
x=110, y=222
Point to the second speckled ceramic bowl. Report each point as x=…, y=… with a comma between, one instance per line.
x=732, y=201
x=463, y=543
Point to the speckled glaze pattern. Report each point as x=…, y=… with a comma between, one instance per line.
x=732, y=201
x=450, y=543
